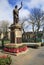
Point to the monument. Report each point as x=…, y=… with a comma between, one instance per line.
x=16, y=36
x=16, y=30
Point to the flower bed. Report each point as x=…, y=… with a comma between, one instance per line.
x=13, y=48
x=5, y=60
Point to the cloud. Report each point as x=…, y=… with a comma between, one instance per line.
x=24, y=14
x=5, y=11
x=27, y=27
x=33, y=3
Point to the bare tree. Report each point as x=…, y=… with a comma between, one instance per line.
x=35, y=17
x=32, y=22
x=22, y=26
x=4, y=27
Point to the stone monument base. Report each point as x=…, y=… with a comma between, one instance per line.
x=15, y=49
x=16, y=33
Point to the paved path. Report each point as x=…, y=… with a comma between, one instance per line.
x=32, y=57
x=38, y=59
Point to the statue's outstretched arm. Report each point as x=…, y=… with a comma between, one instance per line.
x=21, y=6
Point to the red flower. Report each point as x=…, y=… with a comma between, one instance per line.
x=20, y=49
x=16, y=50
x=5, y=49
x=4, y=56
x=24, y=48
x=11, y=50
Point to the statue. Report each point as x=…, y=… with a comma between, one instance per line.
x=16, y=14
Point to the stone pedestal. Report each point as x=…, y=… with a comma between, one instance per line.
x=16, y=33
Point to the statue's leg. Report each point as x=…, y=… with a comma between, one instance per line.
x=17, y=20
x=14, y=20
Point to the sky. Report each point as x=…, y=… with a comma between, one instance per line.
x=7, y=6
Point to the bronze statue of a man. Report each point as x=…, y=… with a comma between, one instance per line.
x=16, y=14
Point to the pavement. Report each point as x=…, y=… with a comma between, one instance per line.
x=32, y=57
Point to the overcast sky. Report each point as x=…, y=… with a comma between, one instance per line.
x=7, y=6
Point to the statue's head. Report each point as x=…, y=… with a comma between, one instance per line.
x=16, y=6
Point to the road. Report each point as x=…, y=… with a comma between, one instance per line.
x=32, y=57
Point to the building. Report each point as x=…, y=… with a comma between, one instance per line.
x=30, y=36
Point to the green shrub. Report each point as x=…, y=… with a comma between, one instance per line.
x=5, y=61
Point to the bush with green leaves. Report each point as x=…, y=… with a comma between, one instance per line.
x=5, y=60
